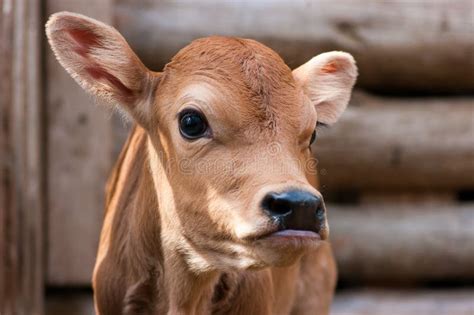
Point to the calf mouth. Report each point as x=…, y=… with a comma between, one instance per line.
x=289, y=240
x=297, y=230
x=291, y=237
x=296, y=234
x=292, y=234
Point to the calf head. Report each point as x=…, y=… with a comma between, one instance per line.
x=230, y=128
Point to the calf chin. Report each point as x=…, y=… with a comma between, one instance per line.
x=224, y=255
x=285, y=254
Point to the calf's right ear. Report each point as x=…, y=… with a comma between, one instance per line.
x=327, y=80
x=102, y=62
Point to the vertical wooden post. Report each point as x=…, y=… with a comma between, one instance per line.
x=21, y=160
x=6, y=259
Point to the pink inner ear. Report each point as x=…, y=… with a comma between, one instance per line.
x=98, y=74
x=85, y=39
x=330, y=67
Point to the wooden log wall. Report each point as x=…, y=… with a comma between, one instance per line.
x=21, y=159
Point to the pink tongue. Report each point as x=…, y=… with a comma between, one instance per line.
x=297, y=233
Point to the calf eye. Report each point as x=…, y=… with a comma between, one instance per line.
x=192, y=124
x=313, y=137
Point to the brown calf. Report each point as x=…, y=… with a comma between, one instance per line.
x=210, y=208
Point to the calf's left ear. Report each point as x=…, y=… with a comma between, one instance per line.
x=101, y=61
x=327, y=80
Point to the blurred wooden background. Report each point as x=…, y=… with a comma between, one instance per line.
x=397, y=170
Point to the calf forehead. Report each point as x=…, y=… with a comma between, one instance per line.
x=254, y=74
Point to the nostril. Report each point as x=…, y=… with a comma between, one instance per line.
x=277, y=205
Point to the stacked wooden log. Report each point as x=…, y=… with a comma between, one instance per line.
x=387, y=143
x=404, y=243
